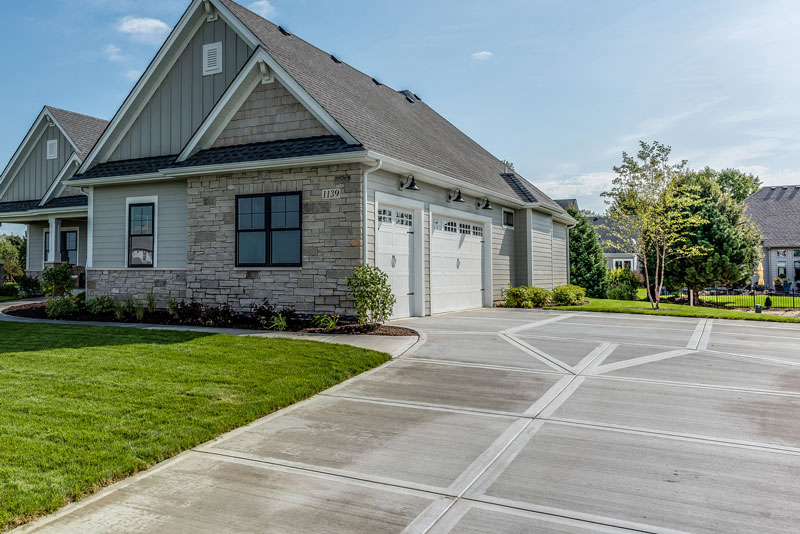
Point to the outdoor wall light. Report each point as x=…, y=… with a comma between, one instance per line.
x=455, y=196
x=409, y=183
x=484, y=204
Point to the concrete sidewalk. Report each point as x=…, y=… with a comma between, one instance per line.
x=392, y=345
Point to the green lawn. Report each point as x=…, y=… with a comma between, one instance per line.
x=6, y=299
x=642, y=307
x=81, y=407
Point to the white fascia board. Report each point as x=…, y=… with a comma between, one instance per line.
x=169, y=52
x=43, y=215
x=112, y=180
x=444, y=180
x=303, y=161
x=58, y=185
x=241, y=87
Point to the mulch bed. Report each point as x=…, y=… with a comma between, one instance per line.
x=37, y=311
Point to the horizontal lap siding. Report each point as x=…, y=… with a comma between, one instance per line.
x=110, y=215
x=559, y=254
x=36, y=246
x=542, y=246
x=36, y=173
x=504, y=264
x=185, y=96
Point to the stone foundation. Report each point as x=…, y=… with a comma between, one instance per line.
x=331, y=231
x=137, y=283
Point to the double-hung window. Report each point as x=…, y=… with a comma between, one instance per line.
x=69, y=247
x=141, y=235
x=268, y=230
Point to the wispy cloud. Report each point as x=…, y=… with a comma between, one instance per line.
x=482, y=56
x=133, y=74
x=144, y=29
x=773, y=176
x=263, y=8
x=590, y=184
x=113, y=53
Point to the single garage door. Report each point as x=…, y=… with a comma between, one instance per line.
x=456, y=265
x=395, y=255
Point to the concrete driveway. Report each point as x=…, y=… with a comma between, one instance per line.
x=507, y=421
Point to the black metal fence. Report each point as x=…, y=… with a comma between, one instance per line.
x=740, y=298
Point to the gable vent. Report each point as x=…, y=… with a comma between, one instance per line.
x=283, y=31
x=212, y=59
x=52, y=149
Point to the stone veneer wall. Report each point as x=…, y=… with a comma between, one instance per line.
x=270, y=113
x=137, y=283
x=331, y=232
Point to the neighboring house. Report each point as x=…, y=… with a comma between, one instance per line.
x=34, y=190
x=615, y=256
x=776, y=211
x=247, y=164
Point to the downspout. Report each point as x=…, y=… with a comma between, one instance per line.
x=364, y=208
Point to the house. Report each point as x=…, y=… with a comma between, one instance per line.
x=248, y=164
x=615, y=255
x=776, y=209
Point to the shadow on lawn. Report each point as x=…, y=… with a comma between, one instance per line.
x=26, y=337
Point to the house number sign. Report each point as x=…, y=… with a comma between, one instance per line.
x=331, y=194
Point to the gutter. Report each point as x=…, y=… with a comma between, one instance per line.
x=39, y=214
x=364, y=208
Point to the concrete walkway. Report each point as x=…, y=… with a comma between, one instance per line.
x=392, y=345
x=506, y=421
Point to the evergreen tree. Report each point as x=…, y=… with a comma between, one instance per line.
x=588, y=267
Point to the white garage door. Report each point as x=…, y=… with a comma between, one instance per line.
x=395, y=255
x=456, y=265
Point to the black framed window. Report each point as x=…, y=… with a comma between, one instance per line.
x=508, y=219
x=141, y=235
x=69, y=247
x=269, y=230
x=46, y=246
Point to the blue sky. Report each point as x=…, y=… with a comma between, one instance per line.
x=560, y=88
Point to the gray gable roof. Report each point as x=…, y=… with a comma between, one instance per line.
x=602, y=224
x=76, y=201
x=393, y=123
x=83, y=130
x=776, y=210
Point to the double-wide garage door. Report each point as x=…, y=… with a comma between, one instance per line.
x=456, y=264
x=456, y=260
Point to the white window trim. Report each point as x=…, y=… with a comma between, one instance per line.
x=488, y=282
x=503, y=218
x=52, y=143
x=141, y=200
x=206, y=49
x=418, y=208
x=63, y=229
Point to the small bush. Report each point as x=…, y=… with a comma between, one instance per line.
x=527, y=297
x=621, y=291
x=9, y=290
x=57, y=281
x=29, y=285
x=151, y=302
x=768, y=303
x=278, y=323
x=568, y=295
x=372, y=294
x=777, y=282
x=61, y=307
x=326, y=322
x=623, y=275
x=172, y=306
x=119, y=310
x=101, y=306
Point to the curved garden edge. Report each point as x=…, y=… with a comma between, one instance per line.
x=394, y=345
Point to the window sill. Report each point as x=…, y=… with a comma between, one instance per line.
x=267, y=268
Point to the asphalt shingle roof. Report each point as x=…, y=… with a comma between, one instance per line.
x=567, y=202
x=776, y=210
x=602, y=224
x=293, y=148
x=83, y=130
x=396, y=124
x=29, y=205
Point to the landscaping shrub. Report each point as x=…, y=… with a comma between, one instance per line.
x=151, y=302
x=527, y=297
x=57, y=281
x=326, y=322
x=568, y=295
x=767, y=303
x=621, y=292
x=29, y=285
x=624, y=275
x=61, y=307
x=278, y=323
x=9, y=290
x=101, y=306
x=372, y=294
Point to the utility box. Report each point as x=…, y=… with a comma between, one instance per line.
x=758, y=308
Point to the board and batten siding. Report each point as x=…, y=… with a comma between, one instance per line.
x=36, y=173
x=504, y=263
x=185, y=97
x=110, y=217
x=542, y=248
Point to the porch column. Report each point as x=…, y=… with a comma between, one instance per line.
x=54, y=258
